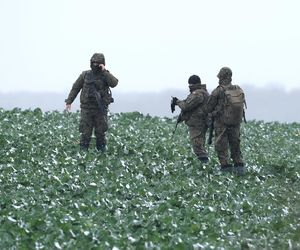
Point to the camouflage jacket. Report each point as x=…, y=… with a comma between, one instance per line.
x=103, y=82
x=193, y=107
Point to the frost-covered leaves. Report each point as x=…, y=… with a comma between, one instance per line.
x=147, y=191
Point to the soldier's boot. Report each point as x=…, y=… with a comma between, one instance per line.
x=203, y=159
x=239, y=169
x=100, y=145
x=226, y=168
x=84, y=143
x=84, y=147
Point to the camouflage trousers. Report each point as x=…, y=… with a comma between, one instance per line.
x=92, y=119
x=228, y=138
x=197, y=138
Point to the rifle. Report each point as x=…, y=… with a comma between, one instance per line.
x=99, y=101
x=211, y=131
x=173, y=103
x=93, y=93
x=179, y=120
x=111, y=99
x=244, y=116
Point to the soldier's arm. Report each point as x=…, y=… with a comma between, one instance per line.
x=77, y=86
x=192, y=101
x=110, y=79
x=212, y=101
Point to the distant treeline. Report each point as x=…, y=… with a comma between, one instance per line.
x=268, y=104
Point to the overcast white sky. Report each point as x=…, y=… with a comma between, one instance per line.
x=149, y=45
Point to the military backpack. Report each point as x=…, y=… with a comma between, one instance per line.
x=233, y=106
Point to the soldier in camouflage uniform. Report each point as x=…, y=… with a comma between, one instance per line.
x=192, y=111
x=95, y=97
x=226, y=137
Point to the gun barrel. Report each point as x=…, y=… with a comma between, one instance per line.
x=211, y=132
x=179, y=120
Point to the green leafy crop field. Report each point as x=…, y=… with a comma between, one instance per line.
x=147, y=191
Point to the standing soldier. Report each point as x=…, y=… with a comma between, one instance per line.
x=226, y=103
x=192, y=112
x=95, y=97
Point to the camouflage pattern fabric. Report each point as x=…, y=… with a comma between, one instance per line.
x=225, y=73
x=91, y=116
x=197, y=138
x=103, y=81
x=98, y=57
x=92, y=119
x=195, y=118
x=226, y=137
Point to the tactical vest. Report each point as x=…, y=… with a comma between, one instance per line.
x=95, y=91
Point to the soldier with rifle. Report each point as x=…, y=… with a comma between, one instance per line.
x=226, y=103
x=95, y=97
x=194, y=116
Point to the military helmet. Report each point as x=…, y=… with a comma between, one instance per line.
x=194, y=79
x=98, y=57
x=224, y=73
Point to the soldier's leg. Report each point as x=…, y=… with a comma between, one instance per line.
x=198, y=147
x=221, y=145
x=236, y=155
x=234, y=144
x=85, y=128
x=101, y=127
x=197, y=138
